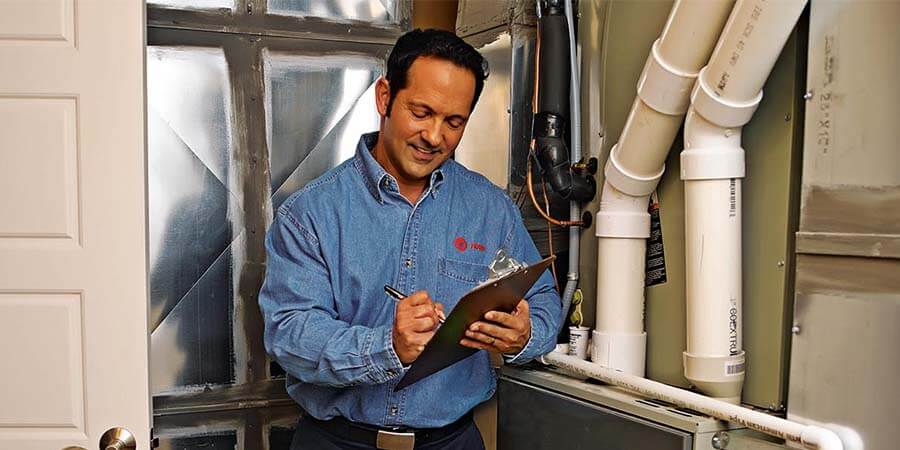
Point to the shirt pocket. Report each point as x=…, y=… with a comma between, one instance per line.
x=466, y=272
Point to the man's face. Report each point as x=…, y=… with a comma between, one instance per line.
x=427, y=118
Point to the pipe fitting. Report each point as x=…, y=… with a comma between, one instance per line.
x=712, y=163
x=716, y=109
x=720, y=377
x=711, y=152
x=622, y=215
x=621, y=351
x=820, y=438
x=627, y=182
x=663, y=87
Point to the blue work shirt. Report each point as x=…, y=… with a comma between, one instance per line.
x=335, y=244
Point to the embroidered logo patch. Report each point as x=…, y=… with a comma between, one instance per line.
x=461, y=244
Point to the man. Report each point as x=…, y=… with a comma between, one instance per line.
x=400, y=212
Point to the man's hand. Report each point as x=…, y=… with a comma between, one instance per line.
x=414, y=325
x=501, y=332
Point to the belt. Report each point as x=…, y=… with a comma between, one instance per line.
x=401, y=438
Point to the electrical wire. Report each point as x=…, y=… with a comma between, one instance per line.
x=550, y=234
x=546, y=216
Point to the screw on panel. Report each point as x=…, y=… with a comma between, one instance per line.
x=720, y=440
x=795, y=329
x=808, y=96
x=787, y=117
x=780, y=264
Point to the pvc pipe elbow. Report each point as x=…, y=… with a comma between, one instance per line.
x=820, y=438
x=711, y=152
x=622, y=215
x=719, y=110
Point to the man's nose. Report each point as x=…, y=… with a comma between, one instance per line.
x=432, y=134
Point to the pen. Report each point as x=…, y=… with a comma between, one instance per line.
x=399, y=296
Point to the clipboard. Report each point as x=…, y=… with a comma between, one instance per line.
x=502, y=294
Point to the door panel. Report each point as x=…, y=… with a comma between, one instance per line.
x=73, y=283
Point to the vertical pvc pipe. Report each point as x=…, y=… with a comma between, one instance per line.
x=633, y=170
x=725, y=97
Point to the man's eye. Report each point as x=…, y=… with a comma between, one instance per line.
x=455, y=124
x=420, y=114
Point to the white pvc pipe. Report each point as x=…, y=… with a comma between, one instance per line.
x=750, y=45
x=664, y=89
x=633, y=170
x=809, y=436
x=619, y=339
x=712, y=165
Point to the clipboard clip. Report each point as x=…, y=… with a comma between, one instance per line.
x=503, y=265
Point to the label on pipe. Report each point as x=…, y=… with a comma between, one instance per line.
x=655, y=259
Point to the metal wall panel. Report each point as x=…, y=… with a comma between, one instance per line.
x=572, y=423
x=485, y=146
x=376, y=11
x=317, y=107
x=193, y=4
x=213, y=442
x=844, y=358
x=194, y=217
x=224, y=88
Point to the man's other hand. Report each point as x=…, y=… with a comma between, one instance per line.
x=500, y=332
x=414, y=325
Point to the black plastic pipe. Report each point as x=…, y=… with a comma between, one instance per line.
x=551, y=121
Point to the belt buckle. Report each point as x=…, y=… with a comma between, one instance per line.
x=390, y=440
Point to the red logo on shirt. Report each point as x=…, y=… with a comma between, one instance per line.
x=461, y=244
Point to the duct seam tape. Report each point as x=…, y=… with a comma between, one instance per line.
x=627, y=182
x=722, y=112
x=621, y=351
x=664, y=88
x=622, y=224
x=712, y=163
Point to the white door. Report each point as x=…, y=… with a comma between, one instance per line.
x=73, y=283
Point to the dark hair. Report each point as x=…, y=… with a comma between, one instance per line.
x=436, y=43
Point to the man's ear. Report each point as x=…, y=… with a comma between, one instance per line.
x=382, y=96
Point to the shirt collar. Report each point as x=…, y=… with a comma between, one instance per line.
x=377, y=179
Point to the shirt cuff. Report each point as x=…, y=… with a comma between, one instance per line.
x=520, y=357
x=384, y=364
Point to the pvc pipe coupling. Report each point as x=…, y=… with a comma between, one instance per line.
x=663, y=87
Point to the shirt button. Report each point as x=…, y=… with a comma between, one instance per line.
x=408, y=262
x=394, y=410
x=391, y=372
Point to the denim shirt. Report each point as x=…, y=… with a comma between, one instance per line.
x=332, y=247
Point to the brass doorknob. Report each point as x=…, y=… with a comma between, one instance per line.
x=117, y=439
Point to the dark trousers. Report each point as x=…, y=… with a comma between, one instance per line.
x=310, y=436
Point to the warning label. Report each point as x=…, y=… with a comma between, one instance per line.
x=656, y=259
